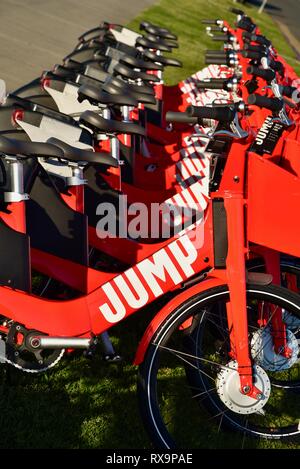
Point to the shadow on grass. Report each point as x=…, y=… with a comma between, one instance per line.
x=75, y=406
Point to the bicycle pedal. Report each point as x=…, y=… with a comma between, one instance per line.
x=112, y=358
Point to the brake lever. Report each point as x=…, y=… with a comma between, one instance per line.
x=284, y=119
x=282, y=115
x=237, y=131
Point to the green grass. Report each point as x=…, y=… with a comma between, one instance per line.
x=87, y=404
x=183, y=17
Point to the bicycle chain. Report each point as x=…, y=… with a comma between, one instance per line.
x=19, y=367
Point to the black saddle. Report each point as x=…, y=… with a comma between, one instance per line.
x=140, y=97
x=96, y=96
x=86, y=53
x=147, y=44
x=131, y=87
x=138, y=63
x=127, y=72
x=167, y=61
x=157, y=31
x=24, y=148
x=109, y=126
x=162, y=41
x=86, y=156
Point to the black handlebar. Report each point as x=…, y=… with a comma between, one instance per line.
x=180, y=117
x=266, y=74
x=236, y=11
x=223, y=38
x=219, y=61
x=210, y=21
x=216, y=28
x=249, y=54
x=212, y=85
x=217, y=54
x=256, y=38
x=288, y=91
x=222, y=113
x=274, y=104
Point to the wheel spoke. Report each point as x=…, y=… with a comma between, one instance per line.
x=179, y=354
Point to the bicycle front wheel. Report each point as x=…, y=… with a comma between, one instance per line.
x=188, y=368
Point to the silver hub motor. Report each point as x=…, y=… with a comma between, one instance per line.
x=262, y=350
x=291, y=321
x=228, y=388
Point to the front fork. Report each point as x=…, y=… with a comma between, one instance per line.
x=236, y=280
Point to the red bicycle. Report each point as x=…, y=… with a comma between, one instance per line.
x=227, y=340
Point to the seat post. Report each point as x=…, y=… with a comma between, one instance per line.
x=16, y=196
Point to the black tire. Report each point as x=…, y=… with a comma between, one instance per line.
x=169, y=435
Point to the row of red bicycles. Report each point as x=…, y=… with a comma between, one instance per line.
x=117, y=190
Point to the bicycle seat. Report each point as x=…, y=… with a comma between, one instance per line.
x=96, y=96
x=147, y=89
x=32, y=105
x=71, y=153
x=157, y=31
x=147, y=44
x=138, y=95
x=86, y=53
x=141, y=64
x=127, y=72
x=162, y=41
x=99, y=124
x=167, y=61
x=74, y=65
x=26, y=148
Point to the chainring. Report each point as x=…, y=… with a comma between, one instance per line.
x=21, y=355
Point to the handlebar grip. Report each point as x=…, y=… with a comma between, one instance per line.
x=222, y=114
x=221, y=37
x=214, y=80
x=211, y=58
x=218, y=61
x=180, y=117
x=274, y=104
x=210, y=21
x=216, y=29
x=215, y=53
x=249, y=54
x=236, y=11
x=221, y=55
x=211, y=85
x=288, y=91
x=256, y=38
x=266, y=74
